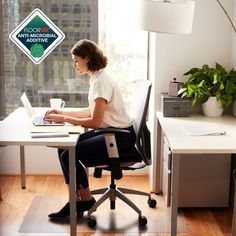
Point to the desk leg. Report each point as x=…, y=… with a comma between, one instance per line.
x=72, y=191
x=175, y=192
x=22, y=166
x=233, y=233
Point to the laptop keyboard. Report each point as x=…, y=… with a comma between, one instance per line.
x=40, y=121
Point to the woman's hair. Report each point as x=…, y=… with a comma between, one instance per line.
x=90, y=50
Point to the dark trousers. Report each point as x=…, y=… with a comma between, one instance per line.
x=91, y=151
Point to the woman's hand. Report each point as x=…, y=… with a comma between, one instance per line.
x=54, y=117
x=53, y=111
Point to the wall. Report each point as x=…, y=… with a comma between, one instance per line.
x=38, y=160
x=210, y=41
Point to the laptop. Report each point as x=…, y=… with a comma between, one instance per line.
x=36, y=120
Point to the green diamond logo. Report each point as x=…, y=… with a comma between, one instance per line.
x=37, y=36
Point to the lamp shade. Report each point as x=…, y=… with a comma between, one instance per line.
x=167, y=16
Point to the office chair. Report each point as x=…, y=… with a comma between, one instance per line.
x=137, y=158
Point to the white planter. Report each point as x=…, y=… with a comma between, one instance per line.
x=212, y=108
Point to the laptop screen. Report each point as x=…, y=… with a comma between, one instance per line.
x=27, y=105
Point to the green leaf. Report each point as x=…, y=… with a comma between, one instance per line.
x=210, y=81
x=191, y=89
x=191, y=71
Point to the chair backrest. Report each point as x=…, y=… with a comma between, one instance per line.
x=138, y=111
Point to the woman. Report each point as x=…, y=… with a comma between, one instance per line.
x=106, y=109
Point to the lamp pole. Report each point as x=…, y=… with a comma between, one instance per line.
x=228, y=16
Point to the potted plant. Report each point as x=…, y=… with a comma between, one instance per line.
x=210, y=85
x=232, y=76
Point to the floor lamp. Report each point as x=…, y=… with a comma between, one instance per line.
x=227, y=15
x=165, y=16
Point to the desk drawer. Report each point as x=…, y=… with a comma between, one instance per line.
x=166, y=180
x=167, y=154
x=166, y=183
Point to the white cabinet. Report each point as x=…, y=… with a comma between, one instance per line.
x=204, y=179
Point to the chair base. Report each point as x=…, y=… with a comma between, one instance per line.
x=114, y=192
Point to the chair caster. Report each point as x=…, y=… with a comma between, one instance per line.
x=92, y=222
x=152, y=202
x=142, y=220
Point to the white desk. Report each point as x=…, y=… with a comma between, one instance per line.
x=15, y=130
x=182, y=143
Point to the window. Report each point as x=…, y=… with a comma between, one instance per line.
x=124, y=45
x=64, y=23
x=76, y=23
x=77, y=8
x=54, y=8
x=64, y=8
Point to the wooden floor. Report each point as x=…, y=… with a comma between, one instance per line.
x=16, y=201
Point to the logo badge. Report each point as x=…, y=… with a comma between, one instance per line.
x=37, y=36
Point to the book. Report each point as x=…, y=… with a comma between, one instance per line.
x=49, y=135
x=67, y=128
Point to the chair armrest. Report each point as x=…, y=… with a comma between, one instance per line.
x=112, y=150
x=111, y=130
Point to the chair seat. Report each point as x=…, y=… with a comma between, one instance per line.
x=132, y=156
x=124, y=166
x=130, y=160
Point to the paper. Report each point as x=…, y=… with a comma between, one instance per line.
x=203, y=130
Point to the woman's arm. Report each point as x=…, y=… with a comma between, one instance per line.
x=80, y=113
x=93, y=121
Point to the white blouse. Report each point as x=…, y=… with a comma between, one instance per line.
x=103, y=86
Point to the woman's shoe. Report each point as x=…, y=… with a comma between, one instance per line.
x=64, y=212
x=81, y=206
